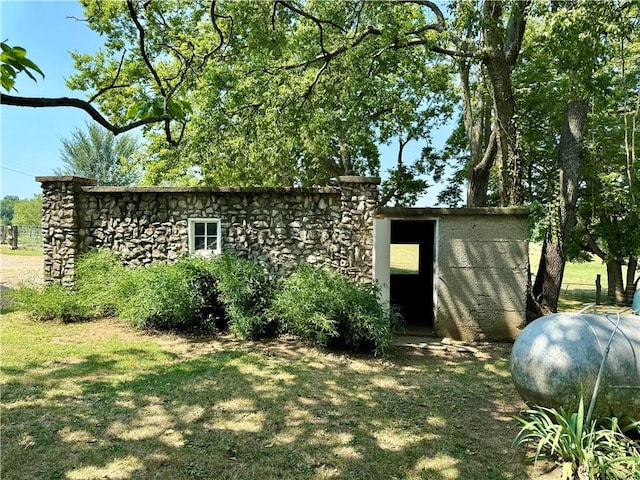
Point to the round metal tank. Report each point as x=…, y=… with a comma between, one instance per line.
x=556, y=359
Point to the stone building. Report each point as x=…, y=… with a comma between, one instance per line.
x=472, y=264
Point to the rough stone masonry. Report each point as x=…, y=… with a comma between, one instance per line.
x=279, y=228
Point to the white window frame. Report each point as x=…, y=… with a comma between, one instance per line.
x=205, y=252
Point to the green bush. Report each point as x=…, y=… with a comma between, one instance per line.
x=52, y=302
x=331, y=310
x=164, y=296
x=245, y=291
x=98, y=277
x=593, y=450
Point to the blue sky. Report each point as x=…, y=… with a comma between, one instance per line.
x=30, y=137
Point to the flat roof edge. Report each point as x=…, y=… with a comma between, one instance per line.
x=423, y=212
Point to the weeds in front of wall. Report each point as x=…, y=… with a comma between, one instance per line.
x=226, y=292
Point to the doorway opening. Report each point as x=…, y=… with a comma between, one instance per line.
x=411, y=281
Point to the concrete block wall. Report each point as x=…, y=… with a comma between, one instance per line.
x=482, y=274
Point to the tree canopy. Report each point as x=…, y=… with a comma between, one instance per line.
x=98, y=154
x=293, y=92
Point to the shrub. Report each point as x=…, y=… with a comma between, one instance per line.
x=246, y=292
x=52, y=302
x=98, y=276
x=163, y=296
x=594, y=450
x=331, y=310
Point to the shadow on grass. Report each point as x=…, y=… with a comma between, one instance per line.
x=276, y=410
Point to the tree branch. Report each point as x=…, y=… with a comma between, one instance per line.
x=308, y=16
x=82, y=105
x=214, y=16
x=438, y=25
x=326, y=56
x=113, y=83
x=515, y=31
x=143, y=50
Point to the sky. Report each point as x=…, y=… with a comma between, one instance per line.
x=30, y=138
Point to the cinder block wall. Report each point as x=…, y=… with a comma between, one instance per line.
x=280, y=228
x=482, y=274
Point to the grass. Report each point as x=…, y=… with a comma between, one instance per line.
x=404, y=258
x=99, y=400
x=23, y=252
x=578, y=282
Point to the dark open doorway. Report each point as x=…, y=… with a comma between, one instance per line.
x=412, y=272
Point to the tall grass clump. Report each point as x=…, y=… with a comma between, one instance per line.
x=98, y=277
x=51, y=302
x=246, y=292
x=166, y=297
x=94, y=294
x=587, y=450
x=329, y=309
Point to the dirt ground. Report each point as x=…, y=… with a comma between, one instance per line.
x=15, y=269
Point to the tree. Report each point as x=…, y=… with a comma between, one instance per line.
x=157, y=54
x=7, y=206
x=28, y=212
x=576, y=73
x=261, y=117
x=98, y=154
x=610, y=213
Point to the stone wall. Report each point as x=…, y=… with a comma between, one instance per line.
x=60, y=235
x=280, y=228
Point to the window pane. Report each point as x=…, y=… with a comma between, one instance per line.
x=212, y=243
x=199, y=243
x=211, y=228
x=199, y=228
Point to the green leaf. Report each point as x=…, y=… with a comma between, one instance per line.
x=133, y=110
x=14, y=61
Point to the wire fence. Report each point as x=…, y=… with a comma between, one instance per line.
x=28, y=237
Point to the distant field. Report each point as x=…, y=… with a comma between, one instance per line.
x=24, y=252
x=404, y=258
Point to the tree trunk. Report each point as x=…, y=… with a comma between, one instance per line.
x=479, y=177
x=631, y=286
x=615, y=290
x=482, y=141
x=499, y=58
x=546, y=289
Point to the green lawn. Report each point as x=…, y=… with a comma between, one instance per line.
x=578, y=282
x=99, y=400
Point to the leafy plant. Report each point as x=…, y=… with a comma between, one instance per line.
x=99, y=275
x=53, y=302
x=162, y=296
x=590, y=450
x=13, y=61
x=245, y=291
x=331, y=310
